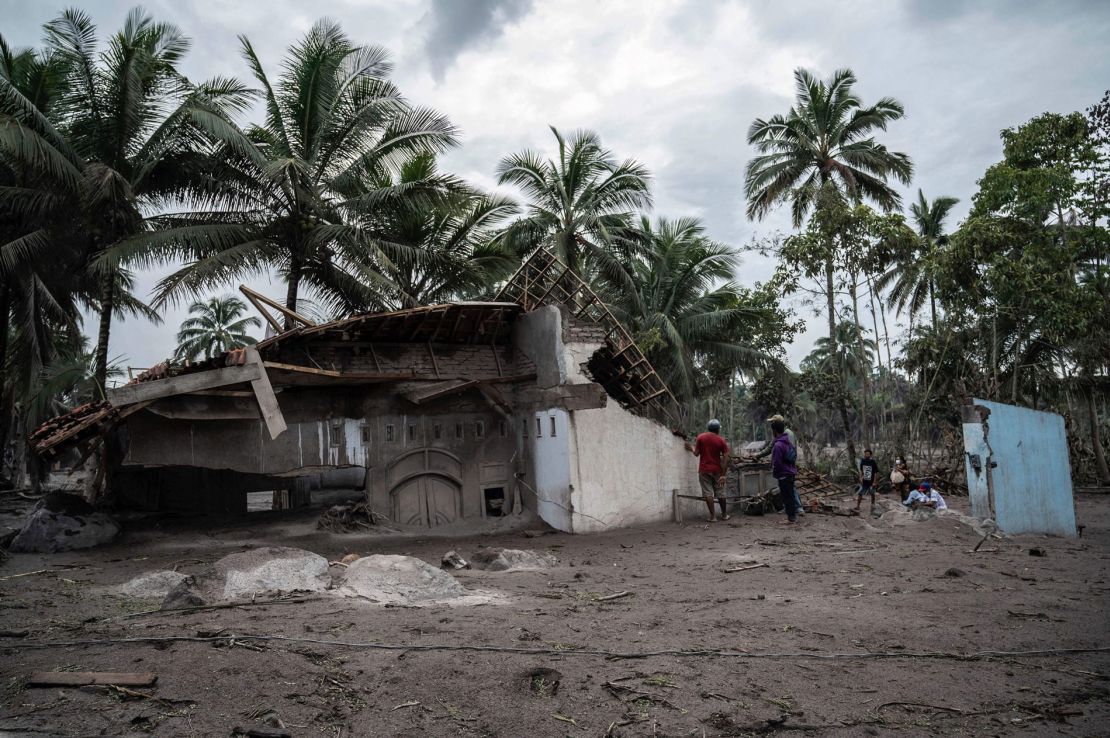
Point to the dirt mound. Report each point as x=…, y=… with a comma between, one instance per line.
x=512, y=559
x=399, y=580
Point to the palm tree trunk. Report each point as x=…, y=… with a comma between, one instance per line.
x=994, y=357
x=1101, y=468
x=865, y=384
x=874, y=322
x=292, y=289
x=107, y=305
x=933, y=305
x=842, y=407
x=5, y=397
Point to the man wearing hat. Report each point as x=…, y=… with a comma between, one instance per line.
x=712, y=452
x=767, y=449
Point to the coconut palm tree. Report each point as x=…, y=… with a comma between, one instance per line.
x=683, y=308
x=455, y=237
x=825, y=137
x=122, y=143
x=823, y=143
x=216, y=326
x=296, y=193
x=578, y=202
x=910, y=280
x=854, y=353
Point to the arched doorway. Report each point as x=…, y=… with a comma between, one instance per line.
x=426, y=488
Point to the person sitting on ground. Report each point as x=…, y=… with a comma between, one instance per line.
x=784, y=459
x=712, y=452
x=932, y=497
x=769, y=447
x=868, y=471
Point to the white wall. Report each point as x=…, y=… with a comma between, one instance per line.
x=623, y=467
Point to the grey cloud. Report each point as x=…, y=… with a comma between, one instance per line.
x=454, y=25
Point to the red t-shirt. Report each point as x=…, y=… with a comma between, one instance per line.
x=710, y=449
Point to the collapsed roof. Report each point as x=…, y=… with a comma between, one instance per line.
x=357, y=351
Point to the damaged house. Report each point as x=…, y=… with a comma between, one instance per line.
x=441, y=415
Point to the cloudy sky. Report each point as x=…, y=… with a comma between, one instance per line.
x=672, y=83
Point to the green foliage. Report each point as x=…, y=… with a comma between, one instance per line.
x=698, y=328
x=578, y=204
x=215, y=326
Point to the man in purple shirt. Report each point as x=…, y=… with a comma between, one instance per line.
x=784, y=458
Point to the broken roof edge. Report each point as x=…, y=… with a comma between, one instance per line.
x=543, y=279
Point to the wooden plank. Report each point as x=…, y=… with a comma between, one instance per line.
x=183, y=384
x=264, y=393
x=83, y=678
x=436, y=391
x=292, y=315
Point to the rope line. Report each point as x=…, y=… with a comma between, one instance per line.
x=683, y=653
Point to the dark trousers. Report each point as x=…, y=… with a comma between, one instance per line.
x=789, y=501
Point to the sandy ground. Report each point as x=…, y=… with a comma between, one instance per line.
x=827, y=639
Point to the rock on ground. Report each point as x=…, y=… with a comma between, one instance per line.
x=61, y=522
x=152, y=585
x=400, y=580
x=512, y=559
x=269, y=569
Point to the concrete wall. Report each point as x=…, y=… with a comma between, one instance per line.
x=622, y=467
x=1031, y=485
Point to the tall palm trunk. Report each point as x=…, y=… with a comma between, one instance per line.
x=933, y=305
x=292, y=289
x=107, y=305
x=5, y=397
x=1101, y=468
x=842, y=407
x=865, y=384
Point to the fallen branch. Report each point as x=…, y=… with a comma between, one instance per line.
x=219, y=606
x=743, y=568
x=30, y=573
x=920, y=704
x=609, y=598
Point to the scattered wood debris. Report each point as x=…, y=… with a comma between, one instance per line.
x=350, y=517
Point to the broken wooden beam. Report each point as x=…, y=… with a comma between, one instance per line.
x=84, y=678
x=154, y=389
x=264, y=393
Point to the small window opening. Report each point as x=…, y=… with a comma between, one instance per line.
x=552, y=426
x=437, y=431
x=390, y=436
x=495, y=501
x=479, y=429
x=501, y=429
x=366, y=437
x=458, y=430
x=335, y=434
x=412, y=432
x=539, y=427
x=524, y=427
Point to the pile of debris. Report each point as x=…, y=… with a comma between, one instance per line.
x=948, y=481
x=812, y=486
x=350, y=517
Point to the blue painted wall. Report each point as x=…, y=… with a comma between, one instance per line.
x=1031, y=483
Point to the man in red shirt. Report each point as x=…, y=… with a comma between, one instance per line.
x=712, y=452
